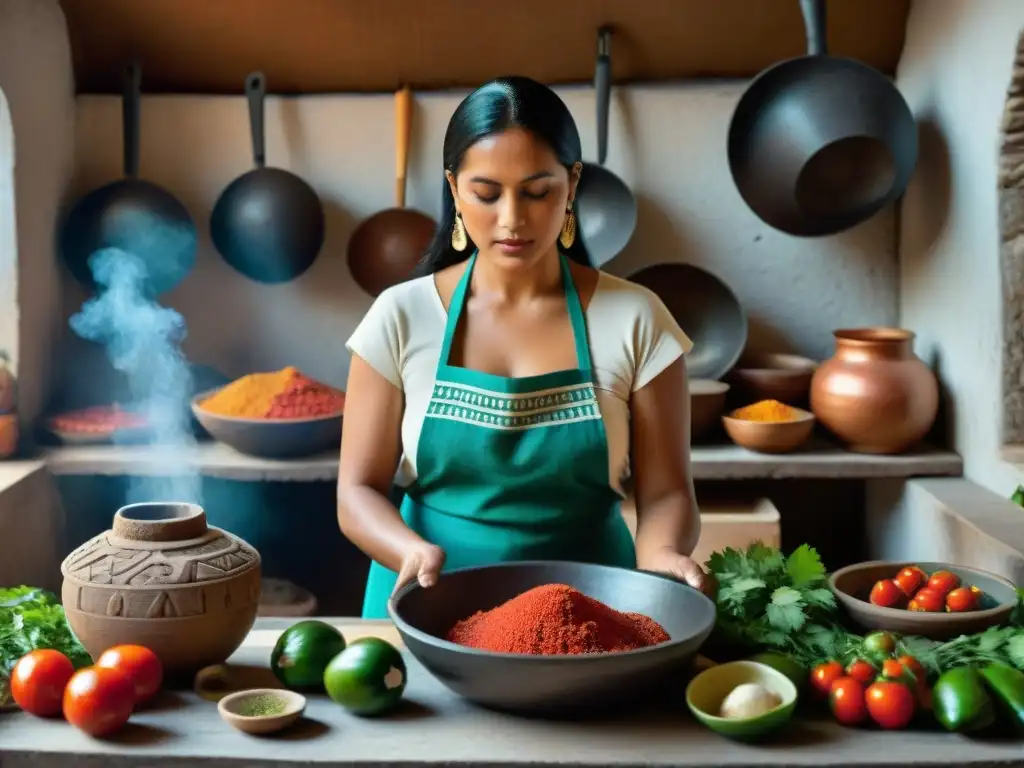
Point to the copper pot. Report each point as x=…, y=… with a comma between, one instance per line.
x=875, y=394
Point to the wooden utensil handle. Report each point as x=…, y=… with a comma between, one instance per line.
x=403, y=132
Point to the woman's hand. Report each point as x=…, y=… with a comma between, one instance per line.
x=422, y=563
x=681, y=567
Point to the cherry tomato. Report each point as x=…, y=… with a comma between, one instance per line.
x=139, y=664
x=886, y=594
x=880, y=642
x=823, y=675
x=846, y=700
x=893, y=670
x=962, y=600
x=862, y=671
x=910, y=579
x=890, y=704
x=927, y=600
x=38, y=680
x=98, y=700
x=943, y=582
x=921, y=689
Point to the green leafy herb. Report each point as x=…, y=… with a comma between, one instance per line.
x=31, y=619
x=767, y=599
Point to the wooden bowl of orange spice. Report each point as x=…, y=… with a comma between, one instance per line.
x=769, y=426
x=277, y=415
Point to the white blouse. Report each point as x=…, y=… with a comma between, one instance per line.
x=632, y=335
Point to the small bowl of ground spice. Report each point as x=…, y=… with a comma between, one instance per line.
x=262, y=710
x=552, y=637
x=769, y=426
x=278, y=415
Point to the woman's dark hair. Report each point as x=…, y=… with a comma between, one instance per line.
x=494, y=107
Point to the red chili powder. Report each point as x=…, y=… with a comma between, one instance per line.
x=304, y=397
x=555, y=619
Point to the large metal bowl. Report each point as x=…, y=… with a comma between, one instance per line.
x=552, y=684
x=706, y=309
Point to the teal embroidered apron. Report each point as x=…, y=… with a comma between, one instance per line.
x=512, y=468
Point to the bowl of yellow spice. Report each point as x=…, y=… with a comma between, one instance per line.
x=769, y=426
x=276, y=415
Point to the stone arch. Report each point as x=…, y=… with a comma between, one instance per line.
x=8, y=237
x=1011, y=238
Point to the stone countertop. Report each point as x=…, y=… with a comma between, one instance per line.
x=435, y=728
x=819, y=459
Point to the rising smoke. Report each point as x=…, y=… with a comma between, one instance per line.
x=143, y=340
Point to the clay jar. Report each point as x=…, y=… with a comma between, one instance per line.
x=163, y=578
x=875, y=394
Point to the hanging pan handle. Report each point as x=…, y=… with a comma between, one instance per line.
x=816, y=26
x=256, y=92
x=603, y=89
x=131, y=94
x=403, y=135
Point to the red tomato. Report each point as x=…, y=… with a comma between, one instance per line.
x=921, y=689
x=890, y=704
x=886, y=594
x=910, y=579
x=847, y=701
x=99, y=700
x=893, y=670
x=823, y=675
x=927, y=600
x=862, y=671
x=139, y=664
x=943, y=582
x=962, y=600
x=38, y=680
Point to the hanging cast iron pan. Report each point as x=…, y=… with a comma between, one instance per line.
x=708, y=312
x=820, y=143
x=268, y=223
x=131, y=215
x=605, y=207
x=385, y=248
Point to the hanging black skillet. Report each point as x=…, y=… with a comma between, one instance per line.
x=606, y=207
x=131, y=215
x=268, y=223
x=820, y=143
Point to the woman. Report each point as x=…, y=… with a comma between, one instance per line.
x=515, y=387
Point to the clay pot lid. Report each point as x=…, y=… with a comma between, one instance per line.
x=158, y=521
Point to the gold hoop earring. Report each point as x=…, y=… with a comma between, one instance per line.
x=459, y=238
x=568, y=234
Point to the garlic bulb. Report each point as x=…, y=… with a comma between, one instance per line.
x=748, y=700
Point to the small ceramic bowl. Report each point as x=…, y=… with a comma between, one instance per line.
x=770, y=436
x=786, y=378
x=707, y=691
x=237, y=710
x=853, y=584
x=707, y=401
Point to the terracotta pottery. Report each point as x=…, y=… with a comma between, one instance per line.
x=875, y=394
x=162, y=578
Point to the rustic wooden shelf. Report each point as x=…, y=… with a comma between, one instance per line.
x=717, y=462
x=318, y=46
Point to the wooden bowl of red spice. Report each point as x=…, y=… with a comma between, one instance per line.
x=769, y=426
x=278, y=415
x=552, y=637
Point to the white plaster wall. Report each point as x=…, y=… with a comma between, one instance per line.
x=954, y=72
x=36, y=78
x=668, y=143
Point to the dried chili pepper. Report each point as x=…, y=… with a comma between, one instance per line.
x=555, y=619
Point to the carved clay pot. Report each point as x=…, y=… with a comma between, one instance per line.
x=164, y=579
x=875, y=394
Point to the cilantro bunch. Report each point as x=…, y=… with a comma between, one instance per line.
x=769, y=600
x=31, y=619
